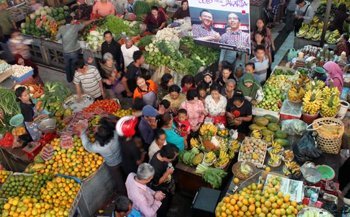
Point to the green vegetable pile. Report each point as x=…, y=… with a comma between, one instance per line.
x=141, y=8
x=211, y=175
x=55, y=94
x=282, y=72
x=8, y=102
x=187, y=156
x=146, y=40
x=117, y=26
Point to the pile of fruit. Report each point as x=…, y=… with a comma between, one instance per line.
x=253, y=150
x=208, y=130
x=272, y=98
x=109, y=106
x=312, y=31
x=332, y=36
x=3, y=175
x=296, y=93
x=253, y=200
x=123, y=112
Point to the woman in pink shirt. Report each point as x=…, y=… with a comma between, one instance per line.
x=195, y=109
x=102, y=8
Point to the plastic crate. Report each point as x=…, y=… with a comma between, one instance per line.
x=290, y=110
x=23, y=77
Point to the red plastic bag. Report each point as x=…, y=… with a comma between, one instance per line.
x=7, y=140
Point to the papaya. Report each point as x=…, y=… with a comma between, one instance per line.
x=279, y=134
x=197, y=159
x=273, y=127
x=256, y=127
x=266, y=132
x=272, y=119
x=283, y=142
x=261, y=121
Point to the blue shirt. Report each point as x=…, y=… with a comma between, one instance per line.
x=133, y=213
x=174, y=138
x=146, y=131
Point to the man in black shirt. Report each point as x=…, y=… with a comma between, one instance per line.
x=133, y=154
x=113, y=47
x=132, y=71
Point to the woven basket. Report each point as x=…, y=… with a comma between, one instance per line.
x=329, y=142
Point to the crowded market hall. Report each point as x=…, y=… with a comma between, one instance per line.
x=166, y=108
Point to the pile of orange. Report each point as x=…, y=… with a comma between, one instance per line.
x=3, y=175
x=27, y=206
x=254, y=201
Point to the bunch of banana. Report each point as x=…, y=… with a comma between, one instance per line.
x=234, y=145
x=231, y=153
x=332, y=37
x=223, y=159
x=208, y=129
x=315, y=84
x=303, y=30
x=276, y=150
x=327, y=92
x=312, y=31
x=296, y=93
x=268, y=138
x=274, y=159
x=276, y=145
x=331, y=106
x=223, y=144
x=317, y=35
x=293, y=167
x=223, y=133
x=312, y=102
x=194, y=143
x=209, y=157
x=256, y=134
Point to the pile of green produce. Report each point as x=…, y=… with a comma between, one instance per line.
x=146, y=40
x=141, y=9
x=55, y=94
x=192, y=157
x=211, y=175
x=8, y=102
x=118, y=26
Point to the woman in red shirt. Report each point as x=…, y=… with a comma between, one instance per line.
x=155, y=20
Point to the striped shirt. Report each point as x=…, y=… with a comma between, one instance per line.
x=237, y=39
x=199, y=31
x=89, y=81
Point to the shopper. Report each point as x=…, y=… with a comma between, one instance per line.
x=343, y=45
x=339, y=18
x=260, y=39
x=265, y=31
x=183, y=11
x=208, y=80
x=128, y=49
x=303, y=14
x=113, y=47
x=147, y=125
x=133, y=154
x=238, y=73
x=335, y=75
x=195, y=109
x=155, y=20
x=215, y=105
x=175, y=97
x=273, y=6
x=225, y=75
x=144, y=198
x=229, y=89
x=239, y=113
x=108, y=146
x=69, y=34
x=111, y=78
x=7, y=23
x=164, y=106
x=89, y=57
x=172, y=134
x=250, y=68
x=88, y=79
x=182, y=124
x=102, y=8
x=251, y=89
x=165, y=82
x=133, y=70
x=18, y=45
x=261, y=63
x=187, y=83
x=146, y=90
x=123, y=207
x=158, y=143
x=290, y=16
x=201, y=93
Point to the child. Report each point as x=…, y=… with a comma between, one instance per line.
x=202, y=93
x=182, y=123
x=250, y=68
x=163, y=107
x=187, y=82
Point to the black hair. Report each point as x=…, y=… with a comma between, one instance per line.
x=183, y=1
x=154, y=8
x=165, y=80
x=215, y=87
x=187, y=79
x=182, y=111
x=191, y=94
x=13, y=31
x=107, y=32
x=342, y=8
x=105, y=131
x=202, y=11
x=263, y=31
x=165, y=103
x=299, y=1
x=238, y=95
x=169, y=151
x=259, y=33
x=158, y=132
x=165, y=119
x=260, y=47
x=226, y=66
x=138, y=104
x=122, y=204
x=250, y=64
x=174, y=88
x=137, y=55
x=69, y=19
x=79, y=64
x=19, y=91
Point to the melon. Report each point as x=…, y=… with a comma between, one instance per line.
x=283, y=142
x=261, y=121
x=279, y=134
x=273, y=127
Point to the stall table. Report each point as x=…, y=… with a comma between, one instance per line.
x=302, y=42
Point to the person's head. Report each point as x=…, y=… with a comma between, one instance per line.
x=108, y=59
x=215, y=92
x=345, y=37
x=226, y=71
x=105, y=131
x=230, y=85
x=128, y=42
x=248, y=80
x=154, y=11
x=122, y=206
x=260, y=51
x=69, y=19
x=201, y=91
x=16, y=34
x=80, y=66
x=238, y=99
x=233, y=21
x=138, y=104
x=160, y=137
x=165, y=104
x=187, y=82
x=207, y=77
x=141, y=82
x=150, y=114
x=174, y=91
x=145, y=173
x=22, y=94
x=169, y=152
x=138, y=57
x=138, y=142
x=191, y=95
x=206, y=18
x=239, y=72
x=250, y=68
x=3, y=6
x=167, y=119
x=184, y=5
x=260, y=24
x=300, y=3
x=166, y=81
x=19, y=60
x=108, y=36
x=259, y=37
x=182, y=115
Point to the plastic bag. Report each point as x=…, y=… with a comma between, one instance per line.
x=306, y=149
x=294, y=127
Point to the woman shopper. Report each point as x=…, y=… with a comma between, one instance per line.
x=229, y=89
x=195, y=109
x=158, y=143
x=147, y=90
x=215, y=105
x=172, y=134
x=175, y=97
x=165, y=82
x=335, y=75
x=102, y=8
x=251, y=89
x=110, y=76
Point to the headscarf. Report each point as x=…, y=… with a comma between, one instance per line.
x=335, y=74
x=248, y=91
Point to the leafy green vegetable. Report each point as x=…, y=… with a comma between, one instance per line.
x=141, y=8
x=117, y=26
x=211, y=175
x=8, y=102
x=144, y=41
x=55, y=94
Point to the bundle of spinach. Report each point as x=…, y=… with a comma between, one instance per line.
x=211, y=175
x=8, y=102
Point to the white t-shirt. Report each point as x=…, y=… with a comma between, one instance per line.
x=153, y=148
x=128, y=53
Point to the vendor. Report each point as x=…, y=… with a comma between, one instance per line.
x=229, y=89
x=251, y=89
x=175, y=97
x=343, y=45
x=155, y=20
x=103, y=8
x=320, y=74
x=183, y=11
x=215, y=105
x=239, y=113
x=147, y=90
x=335, y=75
